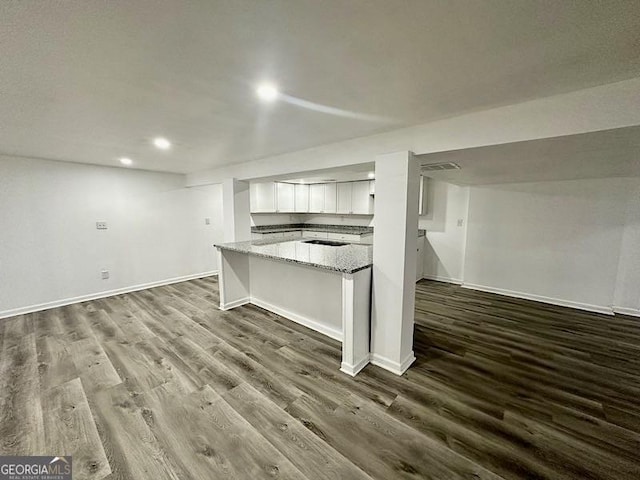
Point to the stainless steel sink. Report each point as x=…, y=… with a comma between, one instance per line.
x=328, y=243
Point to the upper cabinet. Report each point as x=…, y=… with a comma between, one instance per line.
x=422, y=206
x=330, y=198
x=361, y=199
x=341, y=197
x=316, y=198
x=263, y=197
x=301, y=198
x=344, y=197
x=285, y=193
x=355, y=198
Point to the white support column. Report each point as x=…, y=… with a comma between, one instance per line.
x=394, y=261
x=235, y=207
x=356, y=315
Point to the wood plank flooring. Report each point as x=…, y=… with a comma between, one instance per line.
x=160, y=384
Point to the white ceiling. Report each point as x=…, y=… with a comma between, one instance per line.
x=608, y=153
x=91, y=81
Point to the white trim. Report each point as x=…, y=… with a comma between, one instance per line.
x=334, y=333
x=107, y=293
x=634, y=312
x=442, y=279
x=390, y=365
x=540, y=298
x=353, y=370
x=235, y=303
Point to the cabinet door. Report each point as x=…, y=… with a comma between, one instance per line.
x=263, y=197
x=330, y=198
x=344, y=197
x=285, y=197
x=344, y=237
x=302, y=198
x=422, y=206
x=316, y=198
x=312, y=234
x=361, y=200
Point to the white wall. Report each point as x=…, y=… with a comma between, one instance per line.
x=553, y=241
x=51, y=251
x=259, y=219
x=445, y=240
x=627, y=294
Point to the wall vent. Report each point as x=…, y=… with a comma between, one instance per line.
x=440, y=166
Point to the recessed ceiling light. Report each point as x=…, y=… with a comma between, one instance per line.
x=267, y=92
x=162, y=143
x=126, y=161
x=371, y=175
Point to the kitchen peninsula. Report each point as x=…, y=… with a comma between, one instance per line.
x=322, y=284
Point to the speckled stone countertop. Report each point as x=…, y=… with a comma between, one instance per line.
x=352, y=229
x=294, y=227
x=349, y=258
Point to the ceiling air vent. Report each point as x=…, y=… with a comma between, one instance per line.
x=440, y=166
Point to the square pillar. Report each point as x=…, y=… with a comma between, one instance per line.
x=235, y=211
x=395, y=238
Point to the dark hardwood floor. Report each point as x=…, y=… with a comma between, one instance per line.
x=161, y=384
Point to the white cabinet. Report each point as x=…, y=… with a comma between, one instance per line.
x=263, y=197
x=422, y=207
x=344, y=197
x=312, y=234
x=345, y=237
x=330, y=198
x=271, y=235
x=355, y=198
x=420, y=261
x=361, y=199
x=302, y=198
x=316, y=198
x=285, y=196
x=322, y=198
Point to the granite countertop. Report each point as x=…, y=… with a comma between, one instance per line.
x=294, y=227
x=349, y=258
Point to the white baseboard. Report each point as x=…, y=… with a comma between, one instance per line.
x=353, y=370
x=307, y=322
x=540, y=298
x=95, y=296
x=394, y=367
x=634, y=312
x=442, y=279
x=235, y=303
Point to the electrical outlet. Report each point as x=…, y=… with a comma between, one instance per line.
x=105, y=274
x=460, y=221
x=207, y=221
x=101, y=225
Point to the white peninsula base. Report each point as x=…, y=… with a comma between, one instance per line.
x=337, y=304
